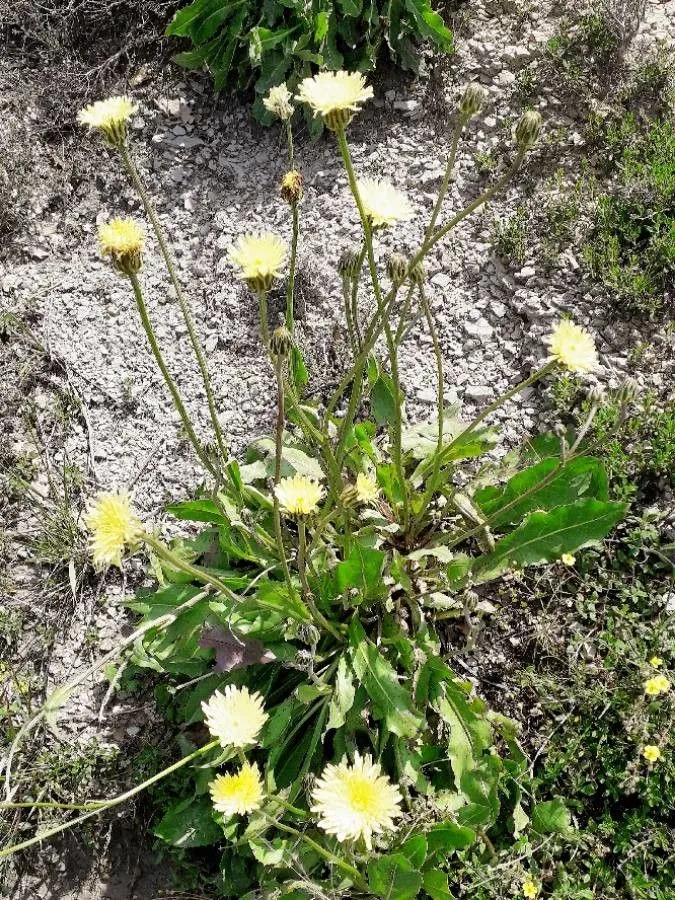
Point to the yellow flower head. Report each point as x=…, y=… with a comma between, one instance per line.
x=335, y=96
x=261, y=258
x=122, y=241
x=278, y=102
x=238, y=794
x=659, y=684
x=383, y=204
x=530, y=889
x=656, y=661
x=651, y=753
x=367, y=490
x=113, y=526
x=568, y=559
x=110, y=117
x=235, y=716
x=291, y=189
x=573, y=347
x=299, y=495
x=662, y=683
x=355, y=801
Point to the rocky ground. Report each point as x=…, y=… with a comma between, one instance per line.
x=214, y=175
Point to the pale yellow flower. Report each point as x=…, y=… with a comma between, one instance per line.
x=278, y=102
x=656, y=661
x=662, y=683
x=383, y=204
x=109, y=117
x=568, y=559
x=335, y=96
x=659, y=684
x=367, y=490
x=122, y=240
x=261, y=258
x=113, y=526
x=356, y=801
x=299, y=495
x=573, y=347
x=238, y=794
x=530, y=889
x=651, y=753
x=235, y=716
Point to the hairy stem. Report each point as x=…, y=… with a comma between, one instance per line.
x=317, y=615
x=449, y=166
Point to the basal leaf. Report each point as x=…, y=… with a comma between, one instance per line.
x=551, y=817
x=435, y=884
x=190, y=823
x=392, y=877
x=382, y=401
x=447, y=837
x=361, y=571
x=343, y=696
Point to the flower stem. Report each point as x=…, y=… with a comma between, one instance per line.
x=317, y=615
x=450, y=165
x=180, y=296
x=281, y=414
x=170, y=383
x=264, y=326
x=290, y=290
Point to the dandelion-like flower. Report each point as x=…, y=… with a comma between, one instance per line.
x=291, y=189
x=235, y=716
x=299, y=495
x=383, y=203
x=335, y=96
x=573, y=347
x=568, y=559
x=122, y=240
x=659, y=684
x=238, y=794
x=367, y=490
x=261, y=258
x=278, y=102
x=651, y=753
x=110, y=117
x=356, y=801
x=656, y=661
x=113, y=526
x=530, y=889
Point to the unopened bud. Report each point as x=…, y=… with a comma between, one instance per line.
x=417, y=274
x=397, y=266
x=291, y=187
x=349, y=496
x=281, y=342
x=628, y=391
x=596, y=395
x=472, y=100
x=350, y=263
x=527, y=129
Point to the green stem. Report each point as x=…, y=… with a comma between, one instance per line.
x=307, y=597
x=290, y=290
x=180, y=296
x=170, y=383
x=403, y=317
x=353, y=873
x=289, y=140
x=346, y=292
x=108, y=804
x=281, y=414
x=450, y=165
x=264, y=326
x=356, y=280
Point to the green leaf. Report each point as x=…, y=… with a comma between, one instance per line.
x=545, y=536
x=580, y=478
x=382, y=402
x=196, y=511
x=361, y=571
x=429, y=24
x=446, y=837
x=343, y=696
x=190, y=823
x=391, y=701
x=415, y=850
x=392, y=877
x=435, y=884
x=551, y=817
x=298, y=370
x=293, y=460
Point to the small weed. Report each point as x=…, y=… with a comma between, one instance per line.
x=486, y=161
x=510, y=238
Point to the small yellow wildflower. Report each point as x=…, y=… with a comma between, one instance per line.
x=367, y=490
x=573, y=347
x=109, y=117
x=651, y=753
x=356, y=801
x=278, y=102
x=659, y=684
x=530, y=889
x=238, y=794
x=235, y=716
x=122, y=241
x=656, y=661
x=261, y=258
x=299, y=495
x=662, y=683
x=568, y=559
x=113, y=526
x=335, y=96
x=383, y=203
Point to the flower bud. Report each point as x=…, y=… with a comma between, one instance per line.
x=350, y=263
x=596, y=395
x=417, y=274
x=527, y=129
x=397, y=266
x=628, y=391
x=349, y=496
x=281, y=342
x=472, y=100
x=278, y=102
x=291, y=187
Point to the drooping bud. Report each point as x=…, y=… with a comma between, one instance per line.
x=628, y=391
x=397, y=266
x=473, y=98
x=596, y=395
x=281, y=342
x=291, y=189
x=417, y=274
x=528, y=128
x=350, y=263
